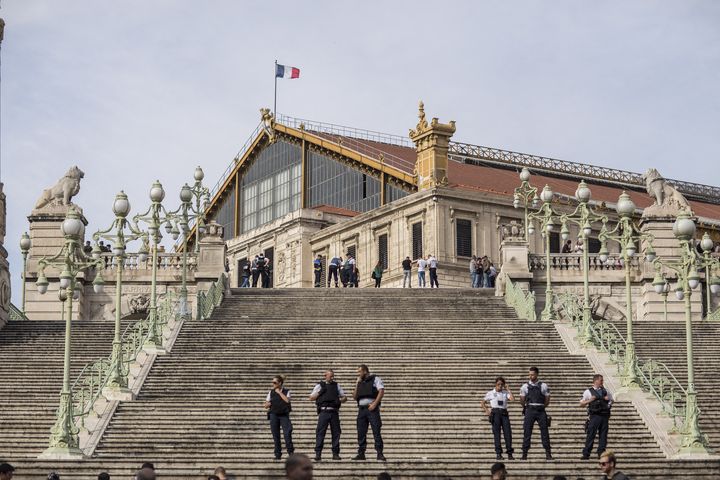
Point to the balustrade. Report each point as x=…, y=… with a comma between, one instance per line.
x=573, y=262
x=166, y=261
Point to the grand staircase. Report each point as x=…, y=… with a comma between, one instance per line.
x=438, y=352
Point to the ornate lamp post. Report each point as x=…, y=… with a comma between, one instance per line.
x=545, y=217
x=686, y=267
x=629, y=236
x=526, y=195
x=583, y=216
x=70, y=261
x=154, y=217
x=201, y=194
x=25, y=245
x=117, y=385
x=712, y=282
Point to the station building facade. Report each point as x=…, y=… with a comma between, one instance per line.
x=300, y=188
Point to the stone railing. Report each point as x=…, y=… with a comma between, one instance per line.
x=166, y=261
x=523, y=302
x=573, y=261
x=654, y=377
x=94, y=376
x=16, y=313
x=207, y=302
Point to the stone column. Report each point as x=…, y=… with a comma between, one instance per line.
x=431, y=143
x=47, y=241
x=211, y=256
x=4, y=265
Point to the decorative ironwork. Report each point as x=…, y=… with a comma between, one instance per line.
x=207, y=302
x=523, y=302
x=476, y=154
x=652, y=376
x=16, y=313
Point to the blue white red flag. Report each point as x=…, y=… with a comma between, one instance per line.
x=284, y=71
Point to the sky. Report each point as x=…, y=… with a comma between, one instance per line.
x=136, y=91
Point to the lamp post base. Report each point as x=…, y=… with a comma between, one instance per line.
x=122, y=394
x=62, y=453
x=151, y=347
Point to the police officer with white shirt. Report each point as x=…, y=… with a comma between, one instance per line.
x=369, y=391
x=497, y=411
x=328, y=395
x=535, y=396
x=598, y=402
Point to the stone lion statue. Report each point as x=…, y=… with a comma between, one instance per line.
x=62, y=192
x=666, y=196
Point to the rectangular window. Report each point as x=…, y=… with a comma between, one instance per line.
x=593, y=245
x=383, y=250
x=417, y=240
x=464, y=238
x=351, y=251
x=554, y=242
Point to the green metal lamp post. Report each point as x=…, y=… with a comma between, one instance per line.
x=117, y=384
x=25, y=245
x=712, y=282
x=693, y=440
x=154, y=217
x=545, y=217
x=583, y=216
x=64, y=441
x=526, y=195
x=201, y=194
x=629, y=236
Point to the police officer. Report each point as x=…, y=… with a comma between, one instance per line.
x=535, y=397
x=246, y=275
x=317, y=269
x=328, y=395
x=369, y=391
x=499, y=417
x=333, y=270
x=598, y=402
x=254, y=270
x=277, y=403
x=264, y=269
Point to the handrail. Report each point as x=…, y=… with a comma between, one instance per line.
x=655, y=377
x=713, y=316
x=523, y=303
x=344, y=131
x=573, y=261
x=207, y=302
x=94, y=376
x=16, y=313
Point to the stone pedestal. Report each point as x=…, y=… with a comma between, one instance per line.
x=211, y=256
x=47, y=241
x=514, y=253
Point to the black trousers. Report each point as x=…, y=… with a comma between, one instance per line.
x=265, y=277
x=255, y=276
x=276, y=421
x=377, y=282
x=532, y=415
x=332, y=272
x=317, y=278
x=597, y=424
x=501, y=421
x=366, y=417
x=433, y=278
x=325, y=418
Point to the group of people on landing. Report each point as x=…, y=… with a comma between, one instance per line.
x=349, y=275
x=369, y=391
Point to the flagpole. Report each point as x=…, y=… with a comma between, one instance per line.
x=275, y=102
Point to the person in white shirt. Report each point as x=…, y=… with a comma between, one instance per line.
x=432, y=265
x=495, y=405
x=598, y=402
x=422, y=265
x=328, y=395
x=277, y=404
x=535, y=397
x=369, y=392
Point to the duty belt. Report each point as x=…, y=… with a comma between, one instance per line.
x=327, y=408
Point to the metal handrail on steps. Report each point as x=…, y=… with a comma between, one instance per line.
x=655, y=377
x=16, y=313
x=207, y=302
x=94, y=376
x=522, y=302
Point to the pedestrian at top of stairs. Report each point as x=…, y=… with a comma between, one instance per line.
x=608, y=463
x=298, y=467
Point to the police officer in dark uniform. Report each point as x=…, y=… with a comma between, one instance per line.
x=333, y=268
x=277, y=403
x=328, y=396
x=369, y=391
x=254, y=270
x=264, y=269
x=317, y=269
x=535, y=397
x=598, y=402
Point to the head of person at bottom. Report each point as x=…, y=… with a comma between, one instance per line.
x=363, y=371
x=607, y=463
x=533, y=373
x=498, y=472
x=146, y=473
x=298, y=467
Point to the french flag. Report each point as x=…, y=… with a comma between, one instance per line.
x=284, y=71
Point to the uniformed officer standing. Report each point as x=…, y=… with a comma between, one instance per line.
x=333, y=268
x=278, y=406
x=535, y=396
x=264, y=269
x=369, y=391
x=317, y=269
x=254, y=270
x=499, y=417
x=328, y=396
x=598, y=402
